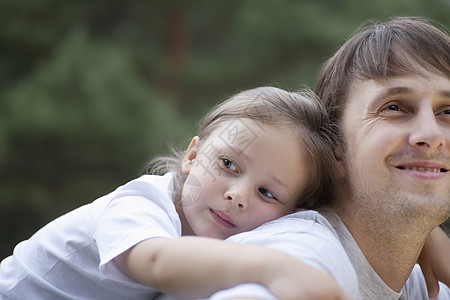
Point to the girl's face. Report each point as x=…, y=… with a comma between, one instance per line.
x=245, y=174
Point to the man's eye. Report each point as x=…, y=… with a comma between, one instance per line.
x=393, y=107
x=444, y=110
x=266, y=193
x=229, y=164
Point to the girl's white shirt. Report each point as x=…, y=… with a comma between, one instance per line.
x=72, y=257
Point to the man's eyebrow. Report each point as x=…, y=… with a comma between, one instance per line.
x=444, y=94
x=404, y=90
x=394, y=91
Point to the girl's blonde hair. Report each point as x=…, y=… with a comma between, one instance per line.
x=299, y=111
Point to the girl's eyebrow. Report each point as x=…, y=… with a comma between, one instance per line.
x=242, y=153
x=278, y=181
x=271, y=176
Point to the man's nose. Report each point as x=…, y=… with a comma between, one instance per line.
x=426, y=132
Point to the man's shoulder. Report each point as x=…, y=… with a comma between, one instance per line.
x=308, y=224
x=307, y=235
x=310, y=237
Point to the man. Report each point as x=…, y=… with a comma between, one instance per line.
x=388, y=90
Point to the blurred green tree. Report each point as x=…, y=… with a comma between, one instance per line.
x=76, y=128
x=90, y=90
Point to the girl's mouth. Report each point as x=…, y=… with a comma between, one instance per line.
x=222, y=218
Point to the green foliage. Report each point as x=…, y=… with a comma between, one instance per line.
x=78, y=126
x=90, y=90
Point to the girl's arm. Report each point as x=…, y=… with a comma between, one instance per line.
x=195, y=267
x=435, y=260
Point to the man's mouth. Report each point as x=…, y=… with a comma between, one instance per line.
x=423, y=169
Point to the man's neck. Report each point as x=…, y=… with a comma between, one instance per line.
x=391, y=247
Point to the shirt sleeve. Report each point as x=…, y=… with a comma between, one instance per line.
x=303, y=237
x=416, y=288
x=444, y=292
x=249, y=290
x=137, y=212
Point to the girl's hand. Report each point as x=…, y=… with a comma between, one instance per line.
x=435, y=261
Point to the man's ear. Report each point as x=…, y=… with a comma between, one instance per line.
x=339, y=155
x=191, y=154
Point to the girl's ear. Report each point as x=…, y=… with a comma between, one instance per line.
x=191, y=154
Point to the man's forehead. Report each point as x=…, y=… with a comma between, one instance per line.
x=398, y=81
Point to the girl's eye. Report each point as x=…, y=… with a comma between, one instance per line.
x=229, y=164
x=266, y=193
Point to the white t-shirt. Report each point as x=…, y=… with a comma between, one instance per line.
x=323, y=241
x=72, y=256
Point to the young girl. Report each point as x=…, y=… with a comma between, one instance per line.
x=256, y=157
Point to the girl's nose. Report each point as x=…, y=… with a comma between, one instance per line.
x=239, y=199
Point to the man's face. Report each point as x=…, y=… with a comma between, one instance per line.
x=398, y=140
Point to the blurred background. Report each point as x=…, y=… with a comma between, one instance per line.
x=91, y=90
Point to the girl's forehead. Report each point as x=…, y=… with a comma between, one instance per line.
x=241, y=133
x=236, y=127
x=237, y=132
